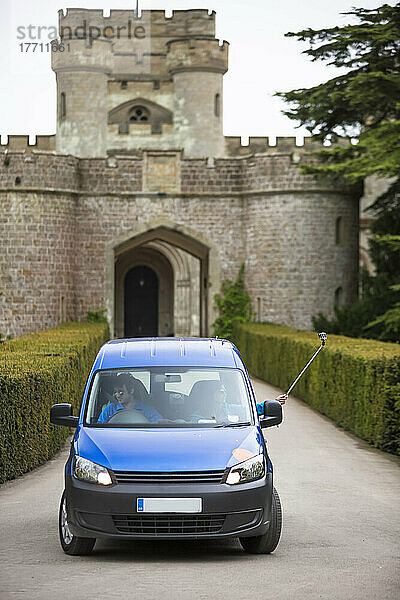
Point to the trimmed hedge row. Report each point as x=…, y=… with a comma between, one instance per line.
x=355, y=382
x=37, y=371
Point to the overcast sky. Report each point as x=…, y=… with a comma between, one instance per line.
x=262, y=60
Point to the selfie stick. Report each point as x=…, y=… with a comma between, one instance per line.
x=322, y=337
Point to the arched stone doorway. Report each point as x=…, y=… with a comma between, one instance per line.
x=141, y=302
x=188, y=272
x=129, y=299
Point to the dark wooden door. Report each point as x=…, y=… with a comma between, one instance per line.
x=141, y=302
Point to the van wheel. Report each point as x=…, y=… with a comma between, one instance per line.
x=264, y=544
x=71, y=544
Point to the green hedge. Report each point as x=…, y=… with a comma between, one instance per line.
x=355, y=382
x=37, y=371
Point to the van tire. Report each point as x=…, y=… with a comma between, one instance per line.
x=265, y=544
x=71, y=544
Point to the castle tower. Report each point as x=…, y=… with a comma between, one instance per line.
x=82, y=73
x=197, y=67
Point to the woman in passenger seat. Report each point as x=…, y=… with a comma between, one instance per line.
x=212, y=404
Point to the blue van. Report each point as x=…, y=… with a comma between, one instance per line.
x=168, y=444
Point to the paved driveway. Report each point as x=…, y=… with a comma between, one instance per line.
x=340, y=539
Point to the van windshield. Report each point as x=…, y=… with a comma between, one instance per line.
x=177, y=397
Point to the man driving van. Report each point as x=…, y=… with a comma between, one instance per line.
x=124, y=397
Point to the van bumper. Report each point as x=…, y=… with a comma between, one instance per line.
x=241, y=510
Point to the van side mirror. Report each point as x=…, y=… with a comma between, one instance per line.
x=61, y=414
x=272, y=414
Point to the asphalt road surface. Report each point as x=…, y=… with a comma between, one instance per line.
x=340, y=539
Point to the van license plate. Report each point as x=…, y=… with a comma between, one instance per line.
x=169, y=505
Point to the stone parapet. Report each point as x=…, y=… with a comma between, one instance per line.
x=197, y=54
x=21, y=142
x=123, y=174
x=258, y=145
x=112, y=175
x=181, y=23
x=83, y=55
x=202, y=176
x=259, y=173
x=38, y=170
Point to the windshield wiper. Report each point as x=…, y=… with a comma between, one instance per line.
x=233, y=424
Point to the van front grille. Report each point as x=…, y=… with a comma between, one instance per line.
x=169, y=524
x=165, y=477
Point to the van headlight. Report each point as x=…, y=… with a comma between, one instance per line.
x=249, y=470
x=86, y=470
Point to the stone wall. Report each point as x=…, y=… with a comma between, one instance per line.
x=39, y=170
x=274, y=172
x=215, y=176
x=61, y=218
x=293, y=265
x=124, y=174
x=374, y=187
x=37, y=270
x=111, y=175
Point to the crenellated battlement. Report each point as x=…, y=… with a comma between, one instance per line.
x=95, y=55
x=196, y=54
x=233, y=144
x=24, y=165
x=198, y=22
x=262, y=145
x=21, y=143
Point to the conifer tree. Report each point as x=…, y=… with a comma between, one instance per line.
x=361, y=104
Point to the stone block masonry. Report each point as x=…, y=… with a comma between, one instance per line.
x=37, y=261
x=60, y=215
x=182, y=23
x=39, y=170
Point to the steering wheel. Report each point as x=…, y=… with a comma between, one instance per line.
x=129, y=416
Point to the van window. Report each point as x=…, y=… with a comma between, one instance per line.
x=189, y=378
x=172, y=396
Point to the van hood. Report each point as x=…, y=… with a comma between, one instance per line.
x=157, y=449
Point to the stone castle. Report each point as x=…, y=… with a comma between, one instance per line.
x=140, y=205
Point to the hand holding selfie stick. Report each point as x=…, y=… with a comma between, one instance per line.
x=322, y=337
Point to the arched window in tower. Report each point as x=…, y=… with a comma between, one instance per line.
x=339, y=231
x=63, y=105
x=139, y=114
x=217, y=105
x=339, y=297
x=140, y=111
